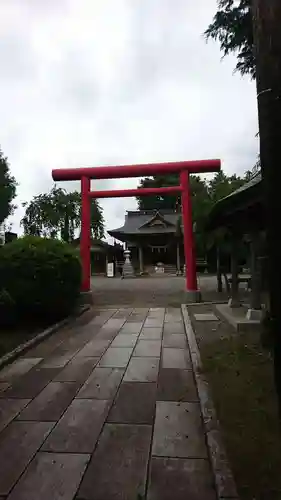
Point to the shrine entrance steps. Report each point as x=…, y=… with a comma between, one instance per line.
x=105, y=410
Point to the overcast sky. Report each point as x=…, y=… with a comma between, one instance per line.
x=99, y=82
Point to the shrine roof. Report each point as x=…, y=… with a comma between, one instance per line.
x=147, y=222
x=236, y=203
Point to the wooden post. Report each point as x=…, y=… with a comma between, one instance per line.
x=234, y=299
x=219, y=273
x=178, y=259
x=141, y=259
x=255, y=311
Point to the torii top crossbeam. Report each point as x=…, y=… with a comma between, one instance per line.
x=145, y=169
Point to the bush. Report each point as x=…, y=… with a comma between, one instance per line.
x=7, y=309
x=41, y=276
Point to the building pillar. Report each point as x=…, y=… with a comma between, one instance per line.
x=255, y=310
x=141, y=259
x=219, y=271
x=234, y=299
x=178, y=259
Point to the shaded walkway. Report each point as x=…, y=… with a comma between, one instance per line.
x=105, y=410
x=163, y=291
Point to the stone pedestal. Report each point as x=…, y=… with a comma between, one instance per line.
x=192, y=296
x=128, y=271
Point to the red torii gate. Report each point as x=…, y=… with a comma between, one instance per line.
x=183, y=168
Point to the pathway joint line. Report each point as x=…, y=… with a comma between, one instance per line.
x=34, y=341
x=224, y=481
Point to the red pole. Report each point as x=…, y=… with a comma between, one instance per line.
x=121, y=193
x=189, y=252
x=85, y=241
x=141, y=170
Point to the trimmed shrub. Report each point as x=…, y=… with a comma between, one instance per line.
x=41, y=276
x=7, y=309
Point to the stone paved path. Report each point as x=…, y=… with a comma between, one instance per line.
x=105, y=411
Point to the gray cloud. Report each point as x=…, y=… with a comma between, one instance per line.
x=94, y=83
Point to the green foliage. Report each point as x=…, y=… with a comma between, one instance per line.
x=58, y=214
x=232, y=27
x=7, y=189
x=204, y=196
x=42, y=276
x=7, y=309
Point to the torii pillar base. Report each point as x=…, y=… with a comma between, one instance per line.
x=192, y=296
x=86, y=298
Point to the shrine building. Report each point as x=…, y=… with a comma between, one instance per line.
x=153, y=237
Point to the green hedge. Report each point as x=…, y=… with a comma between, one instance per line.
x=39, y=277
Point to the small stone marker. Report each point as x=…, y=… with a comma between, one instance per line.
x=206, y=317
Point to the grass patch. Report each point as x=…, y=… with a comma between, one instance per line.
x=241, y=379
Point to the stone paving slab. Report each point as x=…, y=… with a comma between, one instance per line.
x=142, y=370
x=118, y=468
x=132, y=328
x=175, y=358
x=51, y=476
x=153, y=322
x=9, y=409
x=18, y=368
x=113, y=324
x=94, y=348
x=77, y=370
x=176, y=385
x=18, y=444
x=134, y=404
x=178, y=431
x=150, y=333
x=79, y=428
x=177, y=340
x=124, y=340
x=172, y=328
x=31, y=384
x=116, y=357
x=51, y=402
x=59, y=358
x=180, y=479
x=102, y=384
x=148, y=348
x=173, y=317
x=98, y=391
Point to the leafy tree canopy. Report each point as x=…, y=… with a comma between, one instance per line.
x=232, y=27
x=58, y=214
x=7, y=189
x=204, y=195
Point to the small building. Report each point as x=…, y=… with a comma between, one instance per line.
x=101, y=254
x=153, y=237
x=241, y=216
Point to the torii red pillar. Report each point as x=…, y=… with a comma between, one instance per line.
x=189, y=251
x=184, y=168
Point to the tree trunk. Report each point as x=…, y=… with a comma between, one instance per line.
x=267, y=39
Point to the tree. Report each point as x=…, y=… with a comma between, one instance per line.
x=204, y=196
x=58, y=214
x=267, y=38
x=7, y=189
x=156, y=202
x=232, y=27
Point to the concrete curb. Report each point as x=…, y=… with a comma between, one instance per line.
x=23, y=348
x=224, y=481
